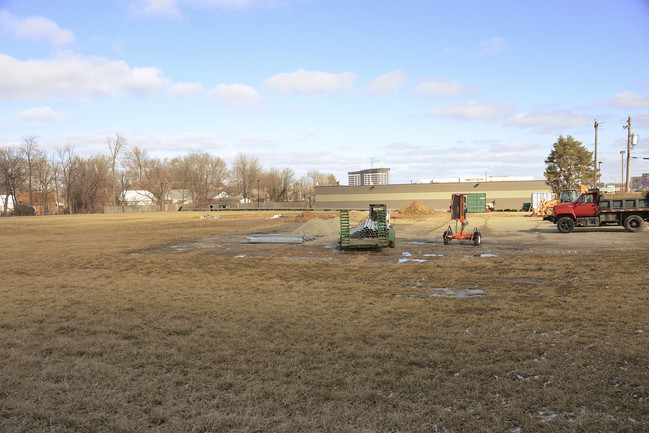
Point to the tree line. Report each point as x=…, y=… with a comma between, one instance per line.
x=77, y=183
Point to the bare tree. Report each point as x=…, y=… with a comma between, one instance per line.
x=66, y=160
x=88, y=177
x=278, y=184
x=180, y=177
x=204, y=173
x=29, y=149
x=115, y=145
x=135, y=161
x=12, y=174
x=315, y=178
x=301, y=187
x=156, y=180
x=331, y=180
x=287, y=177
x=45, y=178
x=123, y=185
x=245, y=173
x=272, y=184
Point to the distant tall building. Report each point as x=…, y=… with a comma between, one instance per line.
x=371, y=176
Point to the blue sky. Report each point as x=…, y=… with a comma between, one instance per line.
x=430, y=89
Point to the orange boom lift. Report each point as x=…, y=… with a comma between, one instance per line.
x=458, y=214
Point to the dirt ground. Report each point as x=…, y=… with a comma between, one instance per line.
x=418, y=237
x=170, y=322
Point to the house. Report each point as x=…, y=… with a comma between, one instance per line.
x=10, y=204
x=138, y=197
x=38, y=201
x=179, y=196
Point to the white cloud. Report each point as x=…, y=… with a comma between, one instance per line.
x=75, y=77
x=387, y=83
x=223, y=3
x=156, y=145
x=236, y=95
x=255, y=142
x=35, y=29
x=472, y=110
x=172, y=8
x=549, y=121
x=627, y=100
x=148, y=8
x=302, y=81
x=442, y=86
x=491, y=46
x=194, y=140
x=40, y=113
x=641, y=121
x=186, y=89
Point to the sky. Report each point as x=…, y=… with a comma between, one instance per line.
x=430, y=89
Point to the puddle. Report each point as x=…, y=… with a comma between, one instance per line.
x=406, y=254
x=462, y=255
x=412, y=260
x=312, y=258
x=240, y=256
x=443, y=292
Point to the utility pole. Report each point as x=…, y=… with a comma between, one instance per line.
x=622, y=152
x=628, y=153
x=595, y=157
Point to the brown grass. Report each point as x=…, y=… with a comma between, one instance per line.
x=98, y=335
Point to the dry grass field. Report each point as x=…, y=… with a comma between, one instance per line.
x=165, y=322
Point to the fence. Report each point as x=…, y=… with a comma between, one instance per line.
x=136, y=208
x=206, y=207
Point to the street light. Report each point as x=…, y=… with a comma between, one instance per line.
x=622, y=152
x=599, y=172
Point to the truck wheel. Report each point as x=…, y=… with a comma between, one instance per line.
x=566, y=224
x=633, y=223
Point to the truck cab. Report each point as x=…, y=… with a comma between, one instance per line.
x=582, y=211
x=584, y=205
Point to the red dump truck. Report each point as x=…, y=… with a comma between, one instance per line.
x=591, y=209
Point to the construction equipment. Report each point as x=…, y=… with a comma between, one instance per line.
x=544, y=209
x=374, y=232
x=458, y=214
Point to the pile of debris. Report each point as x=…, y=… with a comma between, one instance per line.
x=321, y=227
x=416, y=208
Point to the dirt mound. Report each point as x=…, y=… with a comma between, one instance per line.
x=416, y=208
x=320, y=227
x=308, y=215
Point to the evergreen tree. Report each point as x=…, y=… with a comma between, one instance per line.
x=568, y=164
